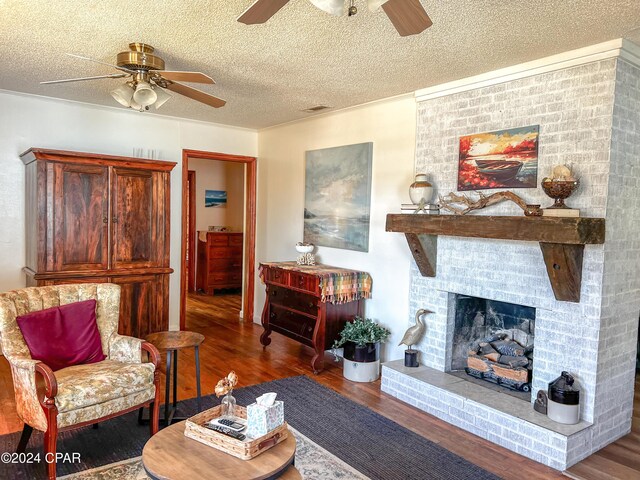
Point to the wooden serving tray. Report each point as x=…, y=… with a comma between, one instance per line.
x=245, y=449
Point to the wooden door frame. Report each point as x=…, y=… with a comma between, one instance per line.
x=191, y=239
x=249, y=259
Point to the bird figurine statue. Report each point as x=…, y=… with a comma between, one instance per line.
x=415, y=332
x=413, y=336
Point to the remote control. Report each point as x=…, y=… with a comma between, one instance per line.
x=235, y=426
x=226, y=431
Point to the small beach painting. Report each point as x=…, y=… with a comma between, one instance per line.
x=500, y=159
x=215, y=198
x=338, y=197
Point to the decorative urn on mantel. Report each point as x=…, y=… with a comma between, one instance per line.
x=421, y=192
x=560, y=186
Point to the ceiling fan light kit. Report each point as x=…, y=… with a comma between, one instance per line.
x=407, y=16
x=123, y=94
x=144, y=94
x=375, y=5
x=148, y=79
x=136, y=106
x=162, y=97
x=332, y=7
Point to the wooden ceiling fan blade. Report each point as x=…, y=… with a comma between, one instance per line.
x=408, y=16
x=122, y=69
x=81, y=79
x=261, y=11
x=195, y=77
x=197, y=95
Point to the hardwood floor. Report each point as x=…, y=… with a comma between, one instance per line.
x=618, y=461
x=231, y=345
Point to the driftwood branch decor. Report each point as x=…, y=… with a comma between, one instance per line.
x=467, y=205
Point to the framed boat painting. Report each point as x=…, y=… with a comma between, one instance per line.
x=500, y=159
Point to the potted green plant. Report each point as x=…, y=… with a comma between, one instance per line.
x=361, y=339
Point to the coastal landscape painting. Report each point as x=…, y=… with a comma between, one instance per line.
x=338, y=197
x=500, y=159
x=215, y=198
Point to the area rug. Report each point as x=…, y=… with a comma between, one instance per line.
x=347, y=435
x=312, y=461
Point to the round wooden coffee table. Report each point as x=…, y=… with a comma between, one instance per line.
x=169, y=455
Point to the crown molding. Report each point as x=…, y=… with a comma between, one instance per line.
x=612, y=49
x=630, y=52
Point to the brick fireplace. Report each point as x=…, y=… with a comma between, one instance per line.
x=587, y=111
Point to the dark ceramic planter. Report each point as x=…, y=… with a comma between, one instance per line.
x=368, y=353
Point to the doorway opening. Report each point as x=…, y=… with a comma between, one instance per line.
x=238, y=236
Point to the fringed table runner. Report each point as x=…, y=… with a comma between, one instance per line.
x=337, y=285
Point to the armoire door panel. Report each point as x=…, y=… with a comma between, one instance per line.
x=138, y=304
x=134, y=218
x=80, y=217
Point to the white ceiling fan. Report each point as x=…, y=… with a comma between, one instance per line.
x=147, y=80
x=407, y=16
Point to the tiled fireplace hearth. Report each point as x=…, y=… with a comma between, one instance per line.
x=588, y=117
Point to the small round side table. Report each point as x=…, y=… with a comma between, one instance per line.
x=171, y=342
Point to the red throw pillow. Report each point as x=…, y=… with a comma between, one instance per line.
x=63, y=336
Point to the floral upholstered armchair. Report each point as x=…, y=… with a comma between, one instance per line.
x=81, y=394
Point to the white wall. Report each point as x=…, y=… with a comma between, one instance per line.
x=390, y=125
x=30, y=121
x=219, y=175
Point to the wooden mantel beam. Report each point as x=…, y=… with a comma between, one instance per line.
x=562, y=241
x=534, y=229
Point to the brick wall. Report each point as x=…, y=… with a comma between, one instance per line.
x=574, y=108
x=621, y=280
x=589, y=116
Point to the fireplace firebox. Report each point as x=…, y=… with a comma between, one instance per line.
x=493, y=342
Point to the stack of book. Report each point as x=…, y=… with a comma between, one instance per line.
x=429, y=208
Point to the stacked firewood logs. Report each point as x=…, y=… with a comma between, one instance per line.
x=501, y=360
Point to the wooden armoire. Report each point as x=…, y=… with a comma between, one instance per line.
x=97, y=218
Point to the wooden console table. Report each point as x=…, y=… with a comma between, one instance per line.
x=311, y=304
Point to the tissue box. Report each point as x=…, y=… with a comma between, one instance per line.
x=261, y=420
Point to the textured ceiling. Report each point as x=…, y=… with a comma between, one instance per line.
x=302, y=57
